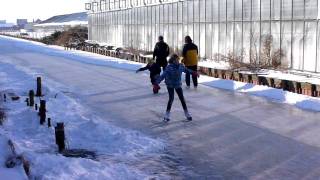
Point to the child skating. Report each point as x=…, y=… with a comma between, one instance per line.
x=172, y=76
x=155, y=71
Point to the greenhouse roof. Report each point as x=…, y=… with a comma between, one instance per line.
x=66, y=19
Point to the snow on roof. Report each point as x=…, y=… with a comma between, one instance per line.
x=66, y=19
x=6, y=25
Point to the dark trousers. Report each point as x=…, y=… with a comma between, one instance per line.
x=194, y=78
x=153, y=78
x=171, y=98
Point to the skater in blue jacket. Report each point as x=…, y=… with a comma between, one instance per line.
x=172, y=76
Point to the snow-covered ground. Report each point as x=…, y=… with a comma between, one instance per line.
x=129, y=154
x=35, y=35
x=121, y=154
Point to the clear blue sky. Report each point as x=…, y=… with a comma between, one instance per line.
x=11, y=10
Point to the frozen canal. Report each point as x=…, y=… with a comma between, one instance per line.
x=233, y=136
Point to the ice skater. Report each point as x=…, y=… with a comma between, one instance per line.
x=155, y=71
x=172, y=76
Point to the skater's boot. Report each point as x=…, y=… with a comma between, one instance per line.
x=156, y=88
x=166, y=117
x=188, y=116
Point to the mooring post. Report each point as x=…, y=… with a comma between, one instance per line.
x=42, y=111
x=60, y=137
x=49, y=122
x=31, y=97
x=36, y=107
x=27, y=101
x=39, y=90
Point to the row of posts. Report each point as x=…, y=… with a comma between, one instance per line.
x=59, y=129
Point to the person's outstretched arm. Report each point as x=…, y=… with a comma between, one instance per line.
x=185, y=70
x=143, y=69
x=161, y=77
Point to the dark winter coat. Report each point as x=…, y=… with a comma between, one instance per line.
x=172, y=75
x=154, y=69
x=161, y=52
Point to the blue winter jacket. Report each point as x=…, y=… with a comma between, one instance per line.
x=172, y=75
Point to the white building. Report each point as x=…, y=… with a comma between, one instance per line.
x=220, y=27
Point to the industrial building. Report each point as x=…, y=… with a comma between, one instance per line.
x=246, y=28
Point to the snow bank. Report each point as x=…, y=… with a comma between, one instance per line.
x=278, y=95
x=122, y=153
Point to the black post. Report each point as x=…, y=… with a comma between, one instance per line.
x=36, y=107
x=42, y=111
x=4, y=97
x=314, y=90
x=39, y=90
x=31, y=97
x=60, y=137
x=49, y=122
x=27, y=101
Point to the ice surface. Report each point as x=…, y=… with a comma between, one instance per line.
x=112, y=109
x=120, y=151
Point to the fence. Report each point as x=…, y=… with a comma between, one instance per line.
x=241, y=27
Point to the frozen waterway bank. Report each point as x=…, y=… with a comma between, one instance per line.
x=122, y=154
x=233, y=136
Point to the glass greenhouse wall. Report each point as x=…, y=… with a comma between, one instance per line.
x=219, y=27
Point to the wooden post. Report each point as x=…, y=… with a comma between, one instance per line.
x=298, y=88
x=49, y=122
x=250, y=79
x=39, y=90
x=60, y=137
x=42, y=111
x=272, y=84
x=314, y=90
x=31, y=97
x=241, y=78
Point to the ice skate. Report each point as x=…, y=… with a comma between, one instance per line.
x=156, y=88
x=166, y=117
x=188, y=116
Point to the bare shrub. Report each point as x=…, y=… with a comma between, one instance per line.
x=74, y=34
x=269, y=58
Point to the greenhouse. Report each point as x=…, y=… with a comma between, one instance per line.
x=250, y=29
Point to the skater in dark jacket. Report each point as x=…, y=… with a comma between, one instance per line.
x=172, y=76
x=161, y=52
x=190, y=59
x=155, y=71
